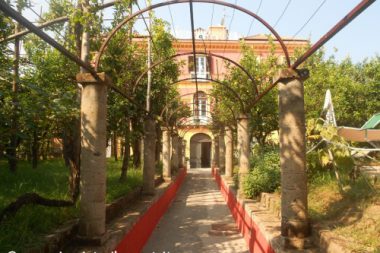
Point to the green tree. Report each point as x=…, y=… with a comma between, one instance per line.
x=263, y=115
x=354, y=88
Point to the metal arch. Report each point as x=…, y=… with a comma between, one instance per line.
x=198, y=53
x=184, y=131
x=242, y=107
x=217, y=2
x=192, y=93
x=364, y=4
x=183, y=106
x=58, y=20
x=188, y=119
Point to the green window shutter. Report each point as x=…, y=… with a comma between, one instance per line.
x=208, y=64
x=191, y=63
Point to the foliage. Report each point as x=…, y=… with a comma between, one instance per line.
x=332, y=152
x=355, y=88
x=117, y=189
x=264, y=175
x=6, y=28
x=354, y=213
x=26, y=228
x=263, y=116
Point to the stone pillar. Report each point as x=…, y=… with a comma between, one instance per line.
x=222, y=151
x=92, y=217
x=174, y=159
x=180, y=152
x=149, y=167
x=184, y=153
x=295, y=225
x=215, y=150
x=243, y=136
x=229, y=143
x=166, y=153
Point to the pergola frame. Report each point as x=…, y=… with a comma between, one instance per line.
x=295, y=225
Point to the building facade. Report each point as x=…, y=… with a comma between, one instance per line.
x=195, y=131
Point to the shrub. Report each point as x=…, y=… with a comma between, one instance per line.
x=265, y=173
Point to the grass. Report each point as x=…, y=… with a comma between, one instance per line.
x=353, y=214
x=50, y=179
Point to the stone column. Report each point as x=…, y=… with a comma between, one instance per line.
x=92, y=217
x=149, y=167
x=294, y=221
x=229, y=142
x=180, y=152
x=166, y=153
x=222, y=151
x=174, y=159
x=243, y=136
x=184, y=153
x=215, y=149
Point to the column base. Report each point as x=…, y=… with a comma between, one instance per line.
x=167, y=179
x=92, y=241
x=296, y=243
x=148, y=192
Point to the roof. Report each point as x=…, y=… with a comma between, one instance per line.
x=266, y=36
x=373, y=122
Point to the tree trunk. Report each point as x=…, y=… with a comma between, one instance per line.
x=35, y=148
x=126, y=157
x=136, y=143
x=71, y=155
x=1, y=151
x=45, y=150
x=136, y=153
x=13, y=142
x=115, y=146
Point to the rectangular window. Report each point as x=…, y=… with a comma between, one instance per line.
x=203, y=66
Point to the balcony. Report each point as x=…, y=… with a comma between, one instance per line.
x=199, y=120
x=205, y=75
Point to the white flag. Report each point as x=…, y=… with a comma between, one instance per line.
x=328, y=109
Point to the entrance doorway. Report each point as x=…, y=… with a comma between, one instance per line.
x=200, y=151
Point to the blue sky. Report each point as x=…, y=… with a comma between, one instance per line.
x=360, y=39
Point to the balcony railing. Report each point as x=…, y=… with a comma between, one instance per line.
x=201, y=75
x=199, y=120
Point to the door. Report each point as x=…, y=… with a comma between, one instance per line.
x=206, y=154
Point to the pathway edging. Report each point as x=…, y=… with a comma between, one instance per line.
x=138, y=235
x=249, y=226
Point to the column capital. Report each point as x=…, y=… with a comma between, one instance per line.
x=165, y=128
x=227, y=128
x=87, y=78
x=242, y=116
x=288, y=74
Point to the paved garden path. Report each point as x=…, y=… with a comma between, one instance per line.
x=197, y=221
